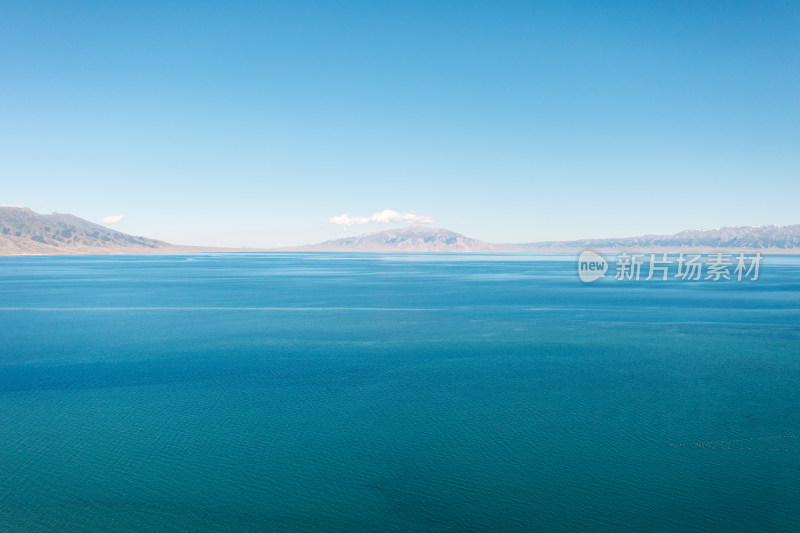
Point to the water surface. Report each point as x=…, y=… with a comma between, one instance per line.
x=375, y=392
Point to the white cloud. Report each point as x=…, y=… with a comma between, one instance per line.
x=113, y=219
x=387, y=216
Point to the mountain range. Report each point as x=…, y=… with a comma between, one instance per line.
x=411, y=239
x=773, y=238
x=25, y=232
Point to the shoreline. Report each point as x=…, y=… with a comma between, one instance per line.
x=203, y=250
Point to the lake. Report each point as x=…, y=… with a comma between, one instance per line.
x=394, y=392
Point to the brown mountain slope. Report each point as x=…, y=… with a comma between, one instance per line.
x=23, y=231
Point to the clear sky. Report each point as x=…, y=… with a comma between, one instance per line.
x=252, y=123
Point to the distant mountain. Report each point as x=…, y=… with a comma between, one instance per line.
x=423, y=239
x=735, y=237
x=412, y=239
x=23, y=231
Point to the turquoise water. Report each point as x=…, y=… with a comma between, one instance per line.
x=335, y=392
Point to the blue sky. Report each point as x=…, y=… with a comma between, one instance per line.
x=252, y=123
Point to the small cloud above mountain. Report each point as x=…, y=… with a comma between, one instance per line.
x=113, y=219
x=387, y=216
